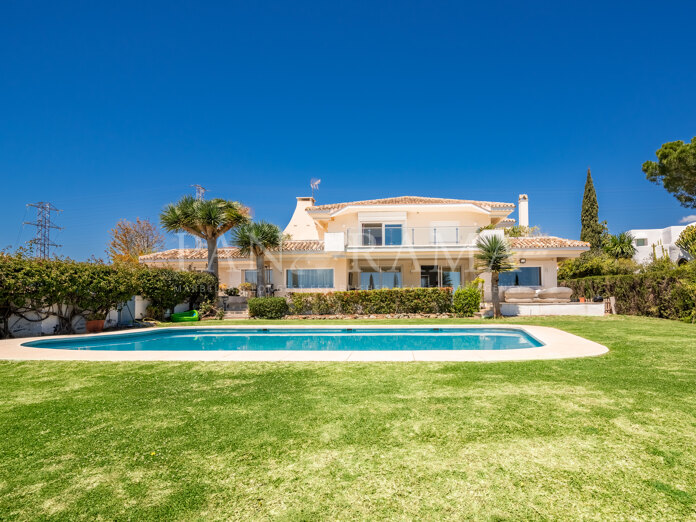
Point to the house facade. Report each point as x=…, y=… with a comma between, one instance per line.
x=385, y=243
x=659, y=242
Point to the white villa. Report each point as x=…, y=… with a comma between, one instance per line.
x=406, y=241
x=660, y=241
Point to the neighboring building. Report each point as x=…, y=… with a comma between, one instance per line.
x=659, y=241
x=384, y=243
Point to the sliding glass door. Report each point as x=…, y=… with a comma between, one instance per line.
x=433, y=276
x=375, y=278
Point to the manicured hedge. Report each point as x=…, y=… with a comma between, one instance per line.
x=386, y=301
x=268, y=307
x=653, y=295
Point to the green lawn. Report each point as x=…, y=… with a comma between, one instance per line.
x=612, y=437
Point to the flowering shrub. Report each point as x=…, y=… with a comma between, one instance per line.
x=385, y=301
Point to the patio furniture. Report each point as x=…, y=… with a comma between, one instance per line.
x=520, y=294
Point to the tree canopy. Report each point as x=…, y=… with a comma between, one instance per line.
x=131, y=240
x=592, y=230
x=687, y=240
x=207, y=219
x=620, y=246
x=675, y=170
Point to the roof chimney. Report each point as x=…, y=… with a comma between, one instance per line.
x=523, y=211
x=302, y=226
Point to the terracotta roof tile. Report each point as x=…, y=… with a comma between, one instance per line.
x=545, y=242
x=411, y=200
x=194, y=254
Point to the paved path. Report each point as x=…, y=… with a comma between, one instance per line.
x=557, y=345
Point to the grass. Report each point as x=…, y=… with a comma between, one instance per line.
x=611, y=437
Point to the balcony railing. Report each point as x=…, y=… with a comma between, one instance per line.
x=395, y=237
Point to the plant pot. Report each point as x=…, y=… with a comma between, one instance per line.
x=94, y=326
x=582, y=299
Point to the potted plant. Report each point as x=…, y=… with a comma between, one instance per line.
x=232, y=292
x=246, y=289
x=94, y=322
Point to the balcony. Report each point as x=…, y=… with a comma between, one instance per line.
x=395, y=236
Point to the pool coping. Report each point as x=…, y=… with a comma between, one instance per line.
x=558, y=344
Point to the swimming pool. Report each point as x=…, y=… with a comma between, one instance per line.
x=299, y=339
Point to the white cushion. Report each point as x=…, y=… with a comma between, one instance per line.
x=559, y=292
x=520, y=292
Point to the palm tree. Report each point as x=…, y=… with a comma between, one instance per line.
x=494, y=255
x=207, y=219
x=256, y=238
x=620, y=246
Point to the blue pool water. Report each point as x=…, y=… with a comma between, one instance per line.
x=324, y=339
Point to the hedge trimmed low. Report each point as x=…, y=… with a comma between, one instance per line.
x=268, y=307
x=366, y=302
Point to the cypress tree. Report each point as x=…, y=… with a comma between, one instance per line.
x=592, y=229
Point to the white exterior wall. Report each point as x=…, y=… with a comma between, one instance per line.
x=659, y=238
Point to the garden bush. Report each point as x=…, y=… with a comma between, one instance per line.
x=595, y=264
x=366, y=302
x=165, y=288
x=651, y=294
x=35, y=289
x=268, y=307
x=467, y=300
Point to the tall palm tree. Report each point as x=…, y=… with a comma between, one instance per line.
x=495, y=256
x=256, y=238
x=620, y=246
x=207, y=219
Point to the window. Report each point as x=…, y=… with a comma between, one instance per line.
x=393, y=234
x=372, y=234
x=310, y=278
x=433, y=276
x=377, y=234
x=429, y=277
x=250, y=276
x=373, y=278
x=524, y=276
x=451, y=278
x=641, y=241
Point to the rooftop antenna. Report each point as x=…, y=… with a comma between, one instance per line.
x=314, y=183
x=42, y=241
x=200, y=192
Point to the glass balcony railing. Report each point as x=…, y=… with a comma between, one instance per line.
x=394, y=236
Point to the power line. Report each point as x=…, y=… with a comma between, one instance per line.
x=200, y=193
x=42, y=241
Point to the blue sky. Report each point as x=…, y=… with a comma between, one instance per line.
x=111, y=111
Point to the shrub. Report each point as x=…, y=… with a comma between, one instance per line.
x=268, y=307
x=385, y=301
x=165, y=288
x=35, y=289
x=649, y=294
x=467, y=300
x=595, y=263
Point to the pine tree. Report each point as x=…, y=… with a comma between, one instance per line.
x=592, y=229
